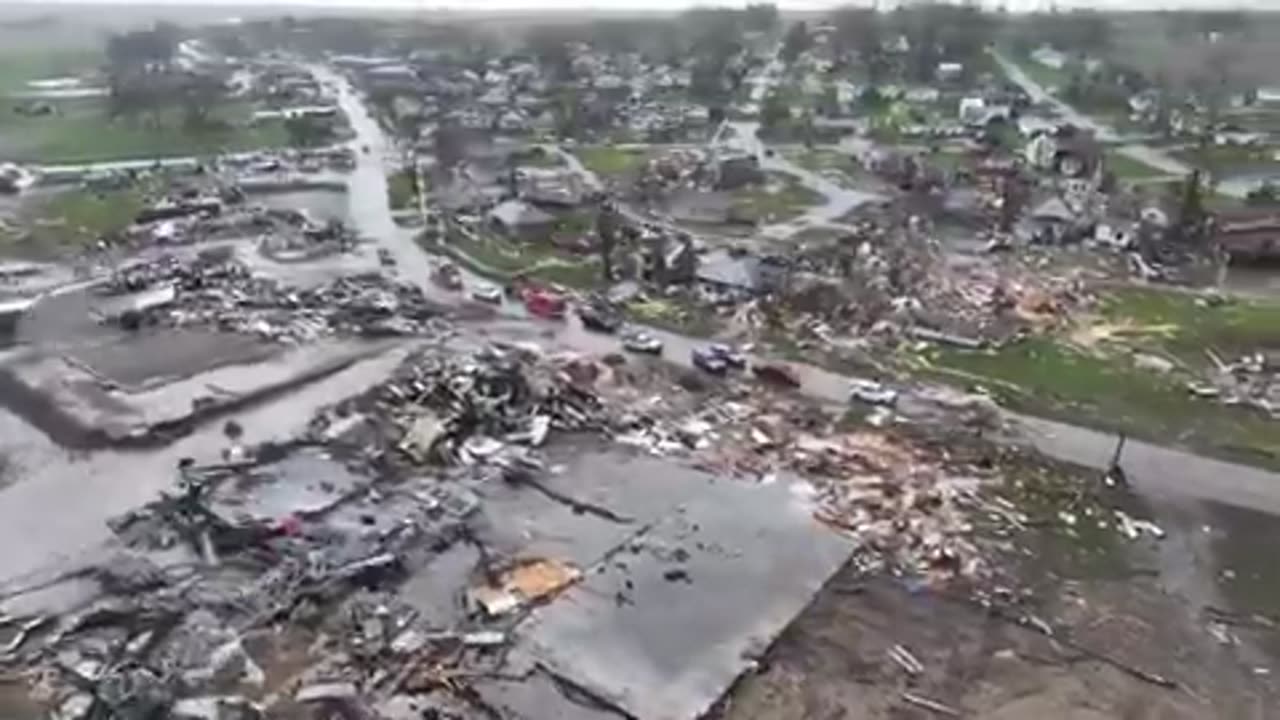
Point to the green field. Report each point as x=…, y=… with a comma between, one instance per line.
x=16, y=68
x=81, y=132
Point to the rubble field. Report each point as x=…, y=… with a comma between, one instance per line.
x=502, y=531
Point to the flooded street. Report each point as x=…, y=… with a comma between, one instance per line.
x=54, y=517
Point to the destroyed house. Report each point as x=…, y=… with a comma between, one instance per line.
x=1249, y=236
x=11, y=314
x=561, y=188
x=1077, y=154
x=740, y=274
x=168, y=209
x=519, y=220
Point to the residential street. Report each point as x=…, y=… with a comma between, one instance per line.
x=1039, y=94
x=1152, y=469
x=1145, y=154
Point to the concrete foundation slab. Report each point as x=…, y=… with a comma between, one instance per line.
x=704, y=578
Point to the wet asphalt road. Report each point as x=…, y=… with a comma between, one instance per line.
x=1152, y=469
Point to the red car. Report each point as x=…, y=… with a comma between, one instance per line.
x=544, y=303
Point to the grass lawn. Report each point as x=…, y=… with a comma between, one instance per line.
x=611, y=161
x=500, y=260
x=81, y=132
x=19, y=67
x=819, y=160
x=400, y=191
x=1175, y=323
x=1045, y=377
x=1096, y=383
x=1126, y=168
x=780, y=198
x=1050, y=78
x=1225, y=159
x=676, y=315
x=74, y=219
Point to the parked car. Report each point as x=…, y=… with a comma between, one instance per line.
x=487, y=293
x=729, y=355
x=544, y=303
x=599, y=319
x=642, y=342
x=448, y=276
x=777, y=373
x=707, y=361
x=872, y=392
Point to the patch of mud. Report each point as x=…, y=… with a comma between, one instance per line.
x=835, y=661
x=1088, y=623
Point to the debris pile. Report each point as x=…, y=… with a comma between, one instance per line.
x=247, y=546
x=892, y=284
x=1252, y=381
x=676, y=169
x=470, y=409
x=318, y=539
x=222, y=293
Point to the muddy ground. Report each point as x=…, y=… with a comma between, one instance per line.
x=1169, y=629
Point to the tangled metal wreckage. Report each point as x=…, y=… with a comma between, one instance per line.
x=501, y=534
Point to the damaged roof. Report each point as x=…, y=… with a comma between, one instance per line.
x=517, y=213
x=722, y=267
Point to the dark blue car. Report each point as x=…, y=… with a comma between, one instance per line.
x=707, y=361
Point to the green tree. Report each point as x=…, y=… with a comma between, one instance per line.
x=549, y=44
x=308, y=131
x=568, y=112
x=200, y=95
x=858, y=30
x=762, y=17
x=138, y=67
x=1265, y=195
x=608, y=227
x=1191, y=224
x=449, y=145
x=775, y=111
x=797, y=41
